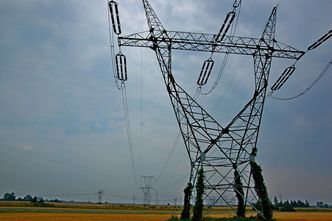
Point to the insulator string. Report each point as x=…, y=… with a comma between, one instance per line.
x=112, y=51
x=326, y=68
x=237, y=4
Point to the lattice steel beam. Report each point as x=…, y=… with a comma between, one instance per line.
x=190, y=41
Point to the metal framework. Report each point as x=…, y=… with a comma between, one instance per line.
x=100, y=196
x=219, y=150
x=147, y=183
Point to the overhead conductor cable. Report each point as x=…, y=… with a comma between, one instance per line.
x=128, y=127
x=308, y=88
x=121, y=74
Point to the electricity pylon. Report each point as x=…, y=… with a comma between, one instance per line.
x=100, y=196
x=147, y=183
x=224, y=152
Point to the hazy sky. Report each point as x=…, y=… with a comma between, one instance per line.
x=62, y=127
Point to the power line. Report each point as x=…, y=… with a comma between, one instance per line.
x=124, y=197
x=129, y=136
x=66, y=194
x=177, y=182
x=197, y=93
x=290, y=70
x=141, y=84
x=119, y=61
x=118, y=196
x=308, y=88
x=225, y=90
x=169, y=156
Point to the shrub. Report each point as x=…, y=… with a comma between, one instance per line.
x=186, y=207
x=260, y=188
x=198, y=208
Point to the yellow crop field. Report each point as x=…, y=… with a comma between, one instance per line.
x=82, y=217
x=303, y=216
x=16, y=211
x=279, y=216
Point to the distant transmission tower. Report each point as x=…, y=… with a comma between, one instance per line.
x=147, y=183
x=225, y=153
x=100, y=196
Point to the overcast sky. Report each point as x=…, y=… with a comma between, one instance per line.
x=62, y=126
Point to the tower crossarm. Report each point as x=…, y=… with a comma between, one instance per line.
x=192, y=41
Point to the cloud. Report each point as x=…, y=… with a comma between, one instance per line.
x=26, y=147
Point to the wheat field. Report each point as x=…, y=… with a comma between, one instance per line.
x=82, y=217
x=279, y=216
x=23, y=211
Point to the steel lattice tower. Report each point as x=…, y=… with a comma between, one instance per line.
x=224, y=152
x=147, y=183
x=100, y=196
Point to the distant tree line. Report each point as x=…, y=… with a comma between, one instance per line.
x=28, y=198
x=289, y=205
